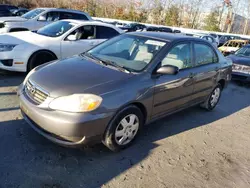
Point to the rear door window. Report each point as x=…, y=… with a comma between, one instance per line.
x=103, y=32
x=204, y=54
x=52, y=16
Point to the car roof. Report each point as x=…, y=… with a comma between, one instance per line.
x=63, y=9
x=170, y=37
x=86, y=22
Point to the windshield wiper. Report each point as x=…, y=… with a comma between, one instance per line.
x=95, y=58
x=106, y=62
x=120, y=67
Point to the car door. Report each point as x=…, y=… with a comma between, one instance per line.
x=85, y=38
x=205, y=71
x=173, y=92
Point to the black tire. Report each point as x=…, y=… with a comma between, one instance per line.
x=109, y=139
x=208, y=105
x=40, y=58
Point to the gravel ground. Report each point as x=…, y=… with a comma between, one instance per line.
x=190, y=149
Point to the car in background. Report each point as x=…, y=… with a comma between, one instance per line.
x=225, y=38
x=165, y=29
x=216, y=37
x=241, y=64
x=109, y=93
x=120, y=24
x=19, y=11
x=37, y=18
x=159, y=29
x=151, y=28
x=131, y=27
x=207, y=37
x=232, y=46
x=6, y=10
x=22, y=51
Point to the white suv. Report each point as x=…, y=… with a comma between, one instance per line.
x=37, y=18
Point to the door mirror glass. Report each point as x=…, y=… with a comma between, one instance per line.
x=71, y=38
x=42, y=18
x=168, y=69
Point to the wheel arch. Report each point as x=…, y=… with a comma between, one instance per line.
x=40, y=51
x=222, y=82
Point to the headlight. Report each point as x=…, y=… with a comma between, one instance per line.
x=6, y=47
x=76, y=103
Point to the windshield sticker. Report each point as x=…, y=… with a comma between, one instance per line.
x=154, y=42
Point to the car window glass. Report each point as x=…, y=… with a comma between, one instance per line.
x=33, y=13
x=85, y=32
x=79, y=17
x=55, y=29
x=132, y=52
x=179, y=56
x=204, y=54
x=103, y=32
x=52, y=16
x=245, y=51
x=209, y=39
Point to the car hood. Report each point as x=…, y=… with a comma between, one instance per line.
x=76, y=75
x=23, y=37
x=240, y=60
x=12, y=19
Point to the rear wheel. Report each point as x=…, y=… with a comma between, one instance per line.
x=40, y=58
x=213, y=99
x=124, y=128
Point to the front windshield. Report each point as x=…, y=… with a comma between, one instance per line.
x=245, y=51
x=128, y=51
x=32, y=14
x=55, y=29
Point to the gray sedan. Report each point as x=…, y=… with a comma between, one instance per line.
x=110, y=92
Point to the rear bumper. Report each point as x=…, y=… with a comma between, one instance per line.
x=240, y=77
x=66, y=129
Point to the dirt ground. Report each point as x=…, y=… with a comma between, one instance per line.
x=190, y=149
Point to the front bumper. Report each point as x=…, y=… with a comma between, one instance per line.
x=66, y=129
x=239, y=76
x=18, y=64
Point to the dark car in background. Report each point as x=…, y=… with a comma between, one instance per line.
x=159, y=29
x=165, y=29
x=131, y=27
x=225, y=38
x=6, y=10
x=108, y=93
x=241, y=64
x=19, y=11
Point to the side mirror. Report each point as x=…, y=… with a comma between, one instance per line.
x=42, y=18
x=71, y=38
x=168, y=69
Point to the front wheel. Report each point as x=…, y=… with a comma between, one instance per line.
x=213, y=98
x=124, y=128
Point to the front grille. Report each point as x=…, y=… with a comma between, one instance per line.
x=35, y=93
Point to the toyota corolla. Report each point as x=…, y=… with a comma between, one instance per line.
x=110, y=92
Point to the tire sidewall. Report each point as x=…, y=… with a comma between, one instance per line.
x=109, y=136
x=209, y=107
